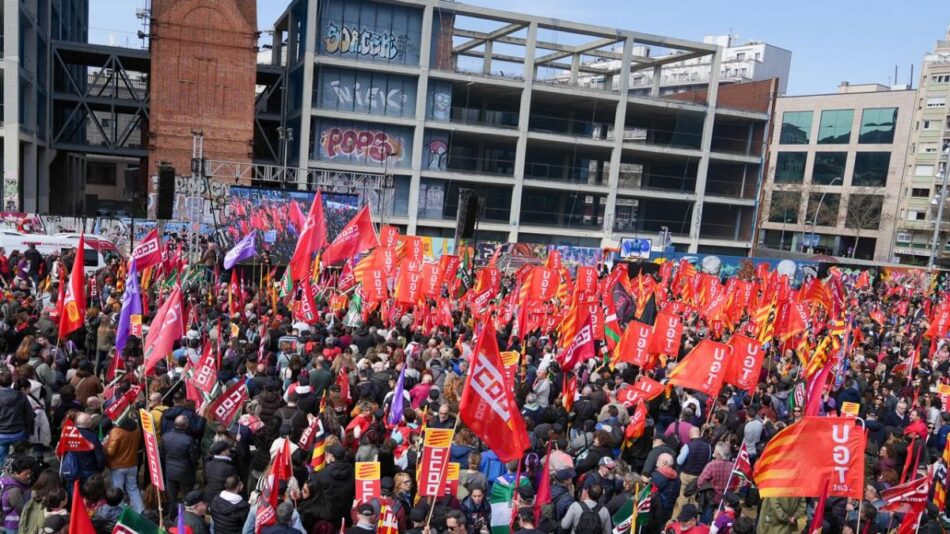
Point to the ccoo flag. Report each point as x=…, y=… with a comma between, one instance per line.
x=131, y=305
x=835, y=449
x=243, y=250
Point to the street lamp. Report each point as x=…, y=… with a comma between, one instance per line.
x=940, y=202
x=814, y=219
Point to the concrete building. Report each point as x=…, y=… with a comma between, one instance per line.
x=926, y=166
x=446, y=96
x=29, y=29
x=835, y=166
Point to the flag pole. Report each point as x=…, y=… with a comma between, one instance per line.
x=729, y=480
x=857, y=527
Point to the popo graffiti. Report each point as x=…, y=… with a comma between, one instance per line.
x=362, y=144
x=360, y=41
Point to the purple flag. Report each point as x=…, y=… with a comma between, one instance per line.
x=181, y=519
x=131, y=304
x=395, y=409
x=243, y=250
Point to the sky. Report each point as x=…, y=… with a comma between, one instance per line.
x=859, y=41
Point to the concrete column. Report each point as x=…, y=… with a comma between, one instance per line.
x=11, y=107
x=28, y=179
x=306, y=93
x=657, y=80
x=705, y=144
x=575, y=68
x=425, y=45
x=620, y=119
x=521, y=148
x=486, y=61
x=42, y=176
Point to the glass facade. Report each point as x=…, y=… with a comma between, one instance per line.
x=864, y=211
x=784, y=206
x=870, y=169
x=828, y=211
x=835, y=127
x=796, y=127
x=828, y=166
x=877, y=125
x=439, y=199
x=790, y=167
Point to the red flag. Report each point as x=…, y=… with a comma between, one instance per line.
x=581, y=348
x=543, y=282
x=863, y=281
x=646, y=389
x=79, y=522
x=224, y=408
x=796, y=320
x=233, y=289
x=877, y=315
x=667, y=334
x=487, y=405
x=357, y=236
x=746, y=363
x=743, y=466
x=313, y=237
x=116, y=366
x=374, y=285
x=343, y=381
x=634, y=346
x=166, y=327
x=586, y=281
x=814, y=388
x=704, y=368
x=148, y=251
x=296, y=216
x=70, y=440
x=819, y=516
x=206, y=373
x=909, y=497
x=307, y=311
x=72, y=308
x=388, y=236
x=544, y=486
x=637, y=424
x=569, y=387
x=281, y=469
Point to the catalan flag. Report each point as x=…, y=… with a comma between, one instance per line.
x=940, y=478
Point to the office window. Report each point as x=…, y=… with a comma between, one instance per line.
x=936, y=102
x=790, y=167
x=835, y=127
x=828, y=211
x=924, y=170
x=784, y=206
x=930, y=124
x=877, y=125
x=920, y=192
x=796, y=127
x=870, y=169
x=829, y=166
x=864, y=211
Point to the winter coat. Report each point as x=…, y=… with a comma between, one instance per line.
x=16, y=414
x=179, y=452
x=335, y=485
x=229, y=512
x=776, y=513
x=668, y=490
x=217, y=470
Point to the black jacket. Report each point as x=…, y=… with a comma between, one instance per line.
x=217, y=470
x=179, y=453
x=228, y=517
x=593, y=457
x=336, y=484
x=196, y=424
x=16, y=415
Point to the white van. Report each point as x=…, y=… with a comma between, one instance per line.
x=98, y=253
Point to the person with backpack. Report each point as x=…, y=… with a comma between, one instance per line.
x=15, y=491
x=587, y=515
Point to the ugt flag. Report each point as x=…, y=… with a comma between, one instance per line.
x=243, y=250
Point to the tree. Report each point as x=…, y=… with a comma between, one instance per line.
x=863, y=212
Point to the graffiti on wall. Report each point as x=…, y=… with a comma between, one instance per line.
x=437, y=151
x=360, y=41
x=367, y=97
x=188, y=186
x=370, y=145
x=441, y=101
x=11, y=191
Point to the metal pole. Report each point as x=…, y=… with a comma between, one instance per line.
x=940, y=203
x=814, y=220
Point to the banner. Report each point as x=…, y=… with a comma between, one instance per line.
x=746, y=363
x=645, y=389
x=374, y=285
x=435, y=457
x=634, y=346
x=226, y=407
x=367, y=481
x=703, y=368
x=151, y=450
x=206, y=374
x=148, y=251
x=118, y=408
x=667, y=334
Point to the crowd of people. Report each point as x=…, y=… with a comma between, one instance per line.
x=580, y=473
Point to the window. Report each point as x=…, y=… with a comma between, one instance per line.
x=98, y=173
x=920, y=192
x=784, y=206
x=915, y=216
x=790, y=167
x=924, y=170
x=740, y=56
x=940, y=78
x=796, y=127
x=870, y=169
x=835, y=127
x=863, y=212
x=828, y=212
x=829, y=168
x=936, y=102
x=903, y=237
x=877, y=125
x=928, y=148
x=930, y=125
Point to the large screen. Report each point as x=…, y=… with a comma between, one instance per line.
x=273, y=212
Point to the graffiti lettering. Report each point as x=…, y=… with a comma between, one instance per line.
x=359, y=41
x=362, y=143
x=368, y=97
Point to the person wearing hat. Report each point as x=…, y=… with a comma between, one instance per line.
x=604, y=475
x=218, y=467
x=417, y=516
x=365, y=520
x=562, y=492
x=196, y=507
x=687, y=522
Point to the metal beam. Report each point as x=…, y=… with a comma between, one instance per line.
x=500, y=32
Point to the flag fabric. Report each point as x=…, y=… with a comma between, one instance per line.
x=835, y=450
x=704, y=368
x=667, y=334
x=313, y=237
x=152, y=457
x=397, y=406
x=318, y=458
x=148, y=251
x=743, y=466
x=634, y=345
x=359, y=235
x=487, y=406
x=72, y=307
x=543, y=495
x=166, y=328
x=242, y=250
x=226, y=407
x=581, y=347
x=501, y=500
x=132, y=522
x=637, y=424
x=388, y=524
x=70, y=440
x=745, y=363
x=635, y=512
x=819, y=515
x=907, y=498
x=940, y=477
x=79, y=522
x=131, y=305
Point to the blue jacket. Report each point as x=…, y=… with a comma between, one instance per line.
x=91, y=462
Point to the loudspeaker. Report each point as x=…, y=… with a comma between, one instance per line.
x=132, y=182
x=467, y=214
x=166, y=192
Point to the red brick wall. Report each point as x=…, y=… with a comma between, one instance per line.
x=750, y=96
x=203, y=67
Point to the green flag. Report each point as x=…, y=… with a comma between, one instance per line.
x=286, y=284
x=627, y=515
x=502, y=493
x=131, y=522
